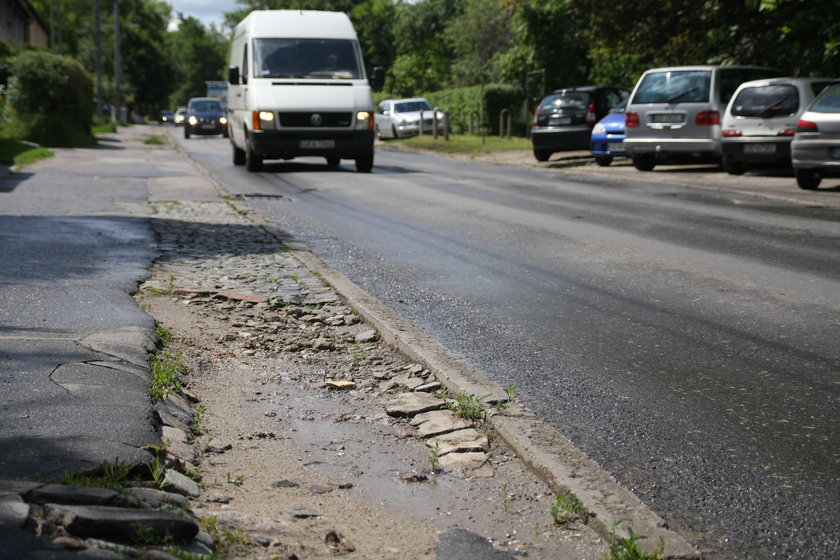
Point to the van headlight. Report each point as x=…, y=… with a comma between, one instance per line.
x=363, y=121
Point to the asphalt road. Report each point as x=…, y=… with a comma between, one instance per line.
x=681, y=330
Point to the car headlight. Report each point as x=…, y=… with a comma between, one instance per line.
x=223, y=120
x=193, y=120
x=599, y=129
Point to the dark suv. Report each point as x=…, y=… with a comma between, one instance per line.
x=565, y=117
x=205, y=115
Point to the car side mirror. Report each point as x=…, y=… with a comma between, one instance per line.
x=377, y=82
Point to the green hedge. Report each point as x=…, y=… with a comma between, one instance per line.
x=470, y=112
x=49, y=100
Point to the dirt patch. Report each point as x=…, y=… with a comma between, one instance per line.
x=304, y=470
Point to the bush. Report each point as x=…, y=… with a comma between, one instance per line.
x=49, y=100
x=466, y=106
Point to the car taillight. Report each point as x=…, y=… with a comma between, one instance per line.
x=631, y=119
x=536, y=115
x=806, y=126
x=732, y=133
x=787, y=132
x=590, y=114
x=707, y=118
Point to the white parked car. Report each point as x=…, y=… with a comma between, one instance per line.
x=815, y=150
x=760, y=121
x=400, y=118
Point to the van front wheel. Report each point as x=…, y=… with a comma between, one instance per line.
x=253, y=162
x=364, y=164
x=238, y=156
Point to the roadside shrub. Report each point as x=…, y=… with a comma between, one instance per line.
x=466, y=106
x=49, y=100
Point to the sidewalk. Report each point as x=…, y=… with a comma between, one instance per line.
x=262, y=330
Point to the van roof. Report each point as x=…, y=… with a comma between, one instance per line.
x=706, y=67
x=312, y=24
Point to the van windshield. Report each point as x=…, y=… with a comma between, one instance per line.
x=682, y=86
x=335, y=59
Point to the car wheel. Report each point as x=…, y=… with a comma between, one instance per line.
x=733, y=166
x=603, y=161
x=542, y=155
x=238, y=156
x=333, y=161
x=644, y=162
x=364, y=164
x=808, y=179
x=253, y=162
x=225, y=133
x=186, y=131
x=394, y=132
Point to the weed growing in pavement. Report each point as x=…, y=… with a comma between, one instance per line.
x=165, y=369
x=226, y=540
x=159, y=292
x=156, y=140
x=237, y=481
x=469, y=407
x=565, y=509
x=164, y=334
x=157, y=469
x=622, y=548
x=111, y=475
x=505, y=404
x=195, y=425
x=506, y=497
x=434, y=458
x=145, y=536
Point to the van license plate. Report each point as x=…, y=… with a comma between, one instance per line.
x=317, y=144
x=759, y=148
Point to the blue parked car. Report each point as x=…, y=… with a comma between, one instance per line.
x=607, y=139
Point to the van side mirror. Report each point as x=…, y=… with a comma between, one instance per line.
x=377, y=82
x=233, y=75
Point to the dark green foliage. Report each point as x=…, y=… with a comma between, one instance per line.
x=49, y=100
x=200, y=55
x=476, y=109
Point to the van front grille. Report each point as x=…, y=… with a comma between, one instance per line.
x=315, y=120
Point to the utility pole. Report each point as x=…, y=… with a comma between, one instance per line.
x=117, y=63
x=98, y=62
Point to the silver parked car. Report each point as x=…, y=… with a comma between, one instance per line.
x=760, y=121
x=815, y=150
x=675, y=112
x=400, y=118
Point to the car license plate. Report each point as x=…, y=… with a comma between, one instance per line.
x=208, y=126
x=759, y=148
x=317, y=144
x=669, y=118
x=615, y=146
x=556, y=121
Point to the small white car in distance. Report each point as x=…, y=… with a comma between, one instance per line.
x=400, y=118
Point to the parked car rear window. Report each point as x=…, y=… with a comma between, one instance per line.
x=681, y=86
x=766, y=101
x=567, y=100
x=828, y=101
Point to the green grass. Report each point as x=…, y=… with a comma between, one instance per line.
x=566, y=509
x=467, y=143
x=156, y=140
x=165, y=369
x=15, y=152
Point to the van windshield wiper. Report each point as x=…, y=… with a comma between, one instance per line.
x=767, y=111
x=675, y=97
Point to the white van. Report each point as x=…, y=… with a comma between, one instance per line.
x=297, y=87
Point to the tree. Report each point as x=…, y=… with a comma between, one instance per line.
x=199, y=55
x=479, y=36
